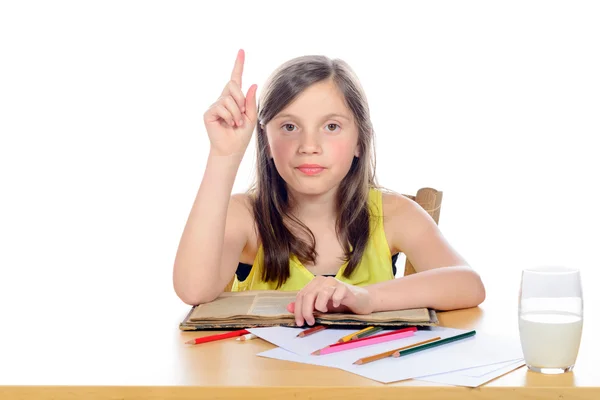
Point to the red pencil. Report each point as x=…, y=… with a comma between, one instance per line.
x=310, y=331
x=212, y=338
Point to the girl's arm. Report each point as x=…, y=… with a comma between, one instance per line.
x=447, y=288
x=218, y=226
x=443, y=281
x=214, y=235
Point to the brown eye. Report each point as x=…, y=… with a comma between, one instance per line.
x=332, y=127
x=289, y=127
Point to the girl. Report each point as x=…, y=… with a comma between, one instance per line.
x=315, y=221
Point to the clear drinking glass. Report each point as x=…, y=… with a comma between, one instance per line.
x=550, y=318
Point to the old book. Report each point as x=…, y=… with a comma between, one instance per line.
x=233, y=310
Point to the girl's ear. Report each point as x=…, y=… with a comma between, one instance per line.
x=357, y=152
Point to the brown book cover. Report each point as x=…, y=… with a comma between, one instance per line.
x=251, y=309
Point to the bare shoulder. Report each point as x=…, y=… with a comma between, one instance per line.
x=402, y=218
x=411, y=230
x=398, y=205
x=242, y=202
x=241, y=211
x=242, y=217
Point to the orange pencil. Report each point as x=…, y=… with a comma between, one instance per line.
x=390, y=353
x=311, y=331
x=221, y=336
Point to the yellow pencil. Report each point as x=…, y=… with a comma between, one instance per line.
x=348, y=338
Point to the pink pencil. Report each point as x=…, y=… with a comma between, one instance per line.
x=409, y=329
x=354, y=344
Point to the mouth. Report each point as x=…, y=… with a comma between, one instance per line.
x=310, y=169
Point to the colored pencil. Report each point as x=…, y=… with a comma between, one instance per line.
x=349, y=337
x=361, y=343
x=221, y=336
x=389, y=353
x=249, y=336
x=311, y=331
x=409, y=329
x=401, y=353
x=367, y=333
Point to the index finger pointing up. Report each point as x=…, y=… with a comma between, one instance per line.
x=238, y=68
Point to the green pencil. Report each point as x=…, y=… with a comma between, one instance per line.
x=434, y=344
x=367, y=333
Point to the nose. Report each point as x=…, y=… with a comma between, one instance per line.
x=310, y=143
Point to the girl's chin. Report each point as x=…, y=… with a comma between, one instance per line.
x=304, y=189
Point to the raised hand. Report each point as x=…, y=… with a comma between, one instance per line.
x=230, y=121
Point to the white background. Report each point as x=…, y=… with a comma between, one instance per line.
x=103, y=146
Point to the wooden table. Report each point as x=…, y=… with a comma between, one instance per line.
x=98, y=351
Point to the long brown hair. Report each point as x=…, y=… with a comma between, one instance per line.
x=270, y=197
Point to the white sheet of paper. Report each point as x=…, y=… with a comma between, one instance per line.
x=478, y=372
x=465, y=377
x=287, y=339
x=470, y=377
x=476, y=351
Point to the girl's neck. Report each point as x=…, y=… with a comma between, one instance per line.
x=314, y=208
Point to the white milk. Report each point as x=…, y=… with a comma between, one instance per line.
x=550, y=340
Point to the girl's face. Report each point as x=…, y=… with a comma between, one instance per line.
x=314, y=140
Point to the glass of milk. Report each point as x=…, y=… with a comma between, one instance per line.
x=550, y=318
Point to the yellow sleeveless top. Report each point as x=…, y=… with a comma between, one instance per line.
x=375, y=265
